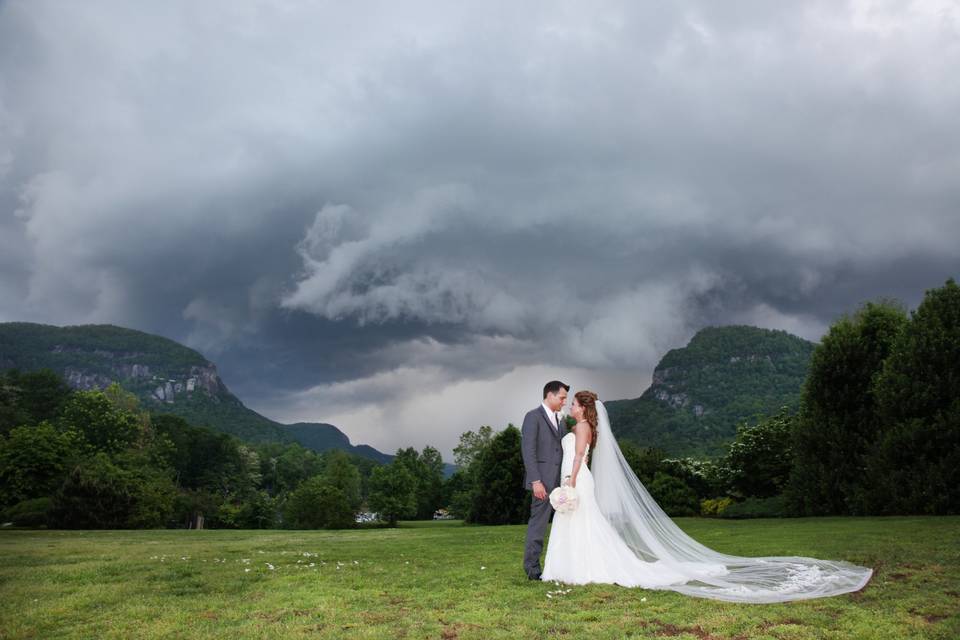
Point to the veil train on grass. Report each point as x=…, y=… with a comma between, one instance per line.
x=652, y=535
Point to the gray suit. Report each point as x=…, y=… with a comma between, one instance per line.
x=542, y=455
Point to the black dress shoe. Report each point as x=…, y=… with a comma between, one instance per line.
x=536, y=577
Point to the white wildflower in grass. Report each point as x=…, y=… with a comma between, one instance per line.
x=549, y=596
x=247, y=570
x=643, y=599
x=483, y=568
x=270, y=566
x=355, y=562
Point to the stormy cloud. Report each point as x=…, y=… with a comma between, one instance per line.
x=404, y=218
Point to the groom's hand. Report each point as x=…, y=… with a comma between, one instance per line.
x=539, y=491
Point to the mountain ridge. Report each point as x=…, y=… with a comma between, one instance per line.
x=700, y=392
x=166, y=375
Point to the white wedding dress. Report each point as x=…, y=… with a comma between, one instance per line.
x=583, y=546
x=618, y=534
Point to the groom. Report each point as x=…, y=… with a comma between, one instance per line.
x=540, y=445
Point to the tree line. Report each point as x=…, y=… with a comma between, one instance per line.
x=877, y=431
x=97, y=459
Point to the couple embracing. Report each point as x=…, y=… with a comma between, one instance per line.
x=618, y=534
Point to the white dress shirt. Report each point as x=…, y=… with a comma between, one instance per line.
x=550, y=415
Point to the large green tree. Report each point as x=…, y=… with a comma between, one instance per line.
x=458, y=489
x=393, y=492
x=104, y=426
x=33, y=461
x=340, y=472
x=838, y=416
x=31, y=397
x=499, y=496
x=318, y=504
x=914, y=466
x=99, y=493
x=426, y=468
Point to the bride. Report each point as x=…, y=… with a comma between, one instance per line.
x=619, y=534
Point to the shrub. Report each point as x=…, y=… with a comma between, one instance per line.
x=673, y=495
x=772, y=507
x=715, y=506
x=28, y=513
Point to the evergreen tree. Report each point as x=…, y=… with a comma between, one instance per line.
x=914, y=467
x=97, y=493
x=838, y=417
x=499, y=496
x=30, y=398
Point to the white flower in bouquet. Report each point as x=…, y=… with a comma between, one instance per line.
x=564, y=499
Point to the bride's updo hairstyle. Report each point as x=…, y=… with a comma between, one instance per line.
x=588, y=400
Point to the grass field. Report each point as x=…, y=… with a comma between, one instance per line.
x=446, y=580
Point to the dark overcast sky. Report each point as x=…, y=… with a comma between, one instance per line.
x=403, y=218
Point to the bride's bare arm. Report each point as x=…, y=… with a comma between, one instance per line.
x=582, y=435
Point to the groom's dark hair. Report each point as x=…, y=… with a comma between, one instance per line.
x=553, y=387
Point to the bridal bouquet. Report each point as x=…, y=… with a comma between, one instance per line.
x=564, y=499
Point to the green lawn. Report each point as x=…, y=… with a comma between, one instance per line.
x=446, y=580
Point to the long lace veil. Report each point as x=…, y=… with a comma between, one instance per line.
x=655, y=537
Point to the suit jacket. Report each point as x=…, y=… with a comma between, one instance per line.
x=540, y=446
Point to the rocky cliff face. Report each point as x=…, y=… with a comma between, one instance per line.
x=199, y=378
x=121, y=366
x=666, y=381
x=663, y=389
x=167, y=376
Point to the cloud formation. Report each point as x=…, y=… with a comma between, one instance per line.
x=331, y=202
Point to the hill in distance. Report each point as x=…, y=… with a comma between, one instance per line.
x=167, y=376
x=724, y=376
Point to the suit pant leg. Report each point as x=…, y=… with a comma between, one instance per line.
x=540, y=511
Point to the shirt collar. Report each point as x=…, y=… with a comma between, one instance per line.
x=550, y=414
